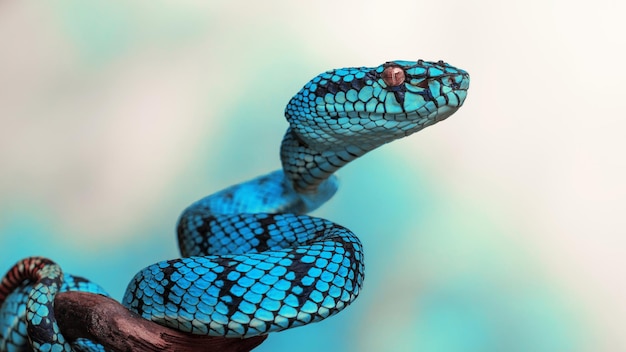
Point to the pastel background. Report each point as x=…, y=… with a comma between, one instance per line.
x=500, y=229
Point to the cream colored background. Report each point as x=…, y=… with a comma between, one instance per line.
x=500, y=229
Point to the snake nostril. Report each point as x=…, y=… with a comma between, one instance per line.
x=393, y=76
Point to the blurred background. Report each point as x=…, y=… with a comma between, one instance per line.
x=500, y=229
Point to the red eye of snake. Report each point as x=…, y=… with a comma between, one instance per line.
x=393, y=76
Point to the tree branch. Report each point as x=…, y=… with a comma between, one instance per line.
x=107, y=322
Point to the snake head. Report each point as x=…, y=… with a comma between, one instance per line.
x=371, y=106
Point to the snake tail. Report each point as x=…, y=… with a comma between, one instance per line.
x=46, y=276
x=27, y=321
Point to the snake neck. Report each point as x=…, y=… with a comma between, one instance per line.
x=308, y=169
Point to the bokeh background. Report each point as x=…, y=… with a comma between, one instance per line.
x=500, y=229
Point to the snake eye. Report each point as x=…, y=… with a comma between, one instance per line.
x=393, y=76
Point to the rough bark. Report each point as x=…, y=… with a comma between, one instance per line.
x=107, y=322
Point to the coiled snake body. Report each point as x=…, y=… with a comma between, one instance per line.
x=253, y=263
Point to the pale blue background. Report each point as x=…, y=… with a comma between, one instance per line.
x=500, y=229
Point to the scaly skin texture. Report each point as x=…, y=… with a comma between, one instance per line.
x=253, y=262
x=27, y=320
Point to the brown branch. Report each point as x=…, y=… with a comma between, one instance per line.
x=107, y=322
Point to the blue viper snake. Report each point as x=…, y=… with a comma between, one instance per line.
x=252, y=261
